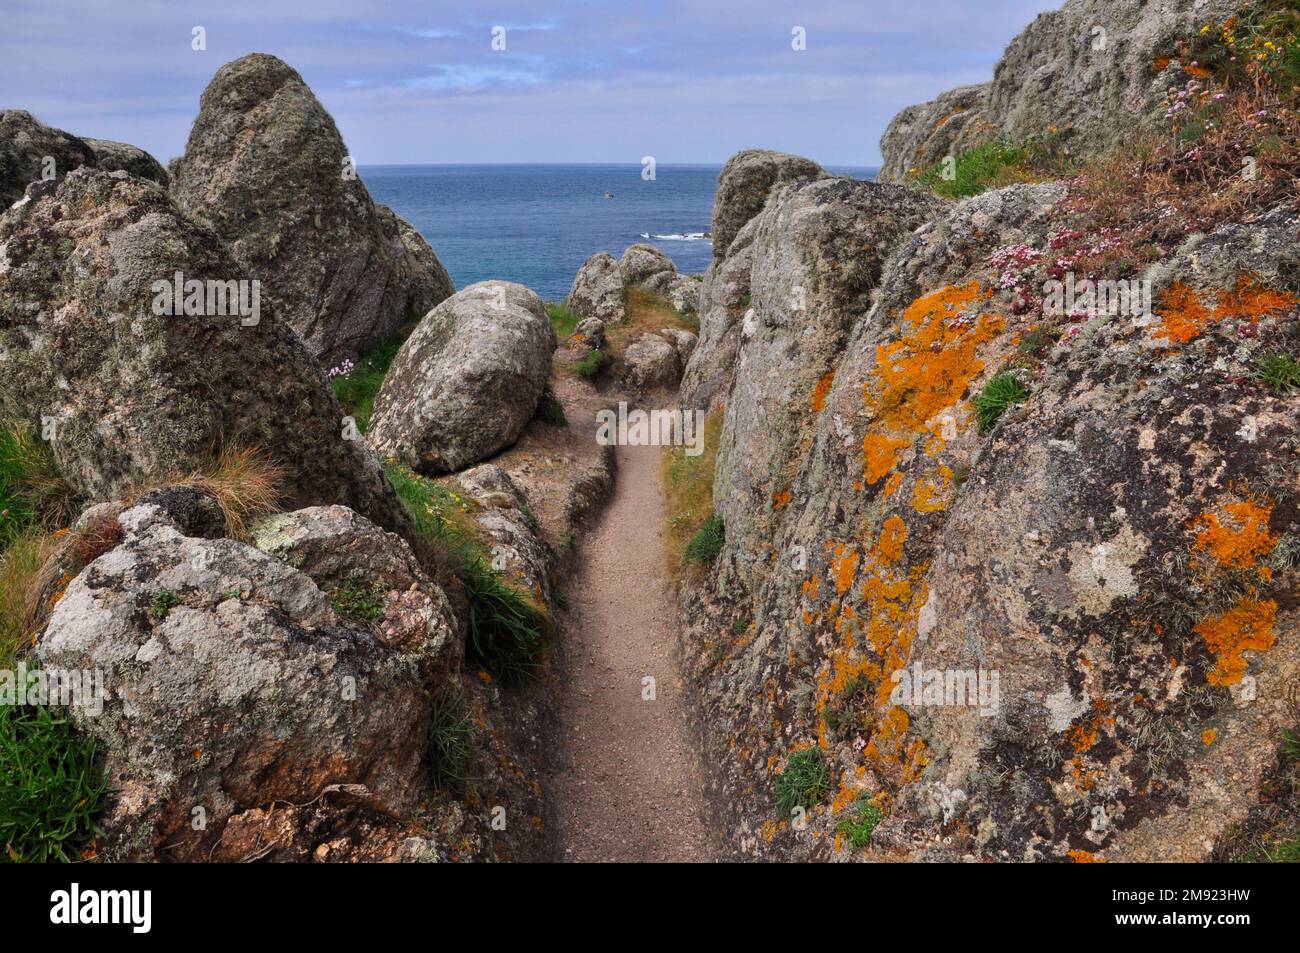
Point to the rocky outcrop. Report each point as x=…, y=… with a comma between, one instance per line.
x=1090, y=74
x=744, y=185
x=467, y=381
x=652, y=362
x=31, y=151
x=132, y=389
x=642, y=264
x=1102, y=579
x=233, y=682
x=921, y=136
x=266, y=169
x=597, y=290
x=121, y=157
x=818, y=253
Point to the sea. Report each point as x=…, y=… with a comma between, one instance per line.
x=537, y=224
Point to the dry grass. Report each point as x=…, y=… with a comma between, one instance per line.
x=646, y=312
x=245, y=483
x=688, y=488
x=20, y=573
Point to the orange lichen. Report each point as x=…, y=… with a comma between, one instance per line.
x=1208, y=736
x=1186, y=316
x=1239, y=540
x=893, y=534
x=1247, y=626
x=844, y=566
x=930, y=495
x=891, y=485
x=821, y=390
x=781, y=500
x=1085, y=857
x=925, y=371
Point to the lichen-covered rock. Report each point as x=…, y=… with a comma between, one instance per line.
x=230, y=682
x=589, y=334
x=31, y=151
x=724, y=302
x=642, y=263
x=818, y=252
x=597, y=290
x=920, y=136
x=652, y=362
x=683, y=293
x=343, y=552
x=1101, y=584
x=683, y=341
x=467, y=381
x=1088, y=73
x=744, y=185
x=510, y=529
x=131, y=395
x=113, y=156
x=266, y=168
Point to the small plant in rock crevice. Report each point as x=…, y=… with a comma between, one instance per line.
x=162, y=602
x=997, y=396
x=862, y=824
x=804, y=782
x=450, y=743
x=1278, y=372
x=706, y=544
x=357, y=600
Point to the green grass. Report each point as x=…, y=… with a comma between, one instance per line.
x=508, y=631
x=20, y=565
x=31, y=489
x=862, y=824
x=589, y=366
x=357, y=601
x=1280, y=373
x=451, y=743
x=162, y=602
x=803, y=783
x=563, y=318
x=50, y=786
x=357, y=390
x=998, y=394
x=705, y=545
x=990, y=165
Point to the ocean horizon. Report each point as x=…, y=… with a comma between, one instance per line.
x=536, y=223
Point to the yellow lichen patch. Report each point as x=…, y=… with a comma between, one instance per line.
x=1247, y=626
x=925, y=371
x=821, y=390
x=931, y=494
x=1237, y=535
x=844, y=566
x=1185, y=315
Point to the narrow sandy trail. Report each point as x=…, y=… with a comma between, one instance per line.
x=629, y=786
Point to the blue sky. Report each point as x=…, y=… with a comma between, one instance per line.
x=582, y=81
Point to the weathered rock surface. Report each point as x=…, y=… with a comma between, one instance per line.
x=744, y=185
x=343, y=551
x=651, y=362
x=113, y=156
x=133, y=395
x=818, y=252
x=1090, y=73
x=642, y=264
x=232, y=683
x=31, y=151
x=467, y=381
x=266, y=168
x=597, y=290
x=1118, y=551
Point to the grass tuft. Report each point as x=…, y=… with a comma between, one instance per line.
x=31, y=489
x=20, y=571
x=688, y=486
x=1278, y=372
x=357, y=600
x=563, y=318
x=998, y=394
x=451, y=742
x=50, y=786
x=988, y=166
x=706, y=544
x=803, y=783
x=862, y=824
x=245, y=483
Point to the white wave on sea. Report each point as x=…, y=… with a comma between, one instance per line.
x=677, y=237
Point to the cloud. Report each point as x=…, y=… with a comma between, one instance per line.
x=582, y=81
